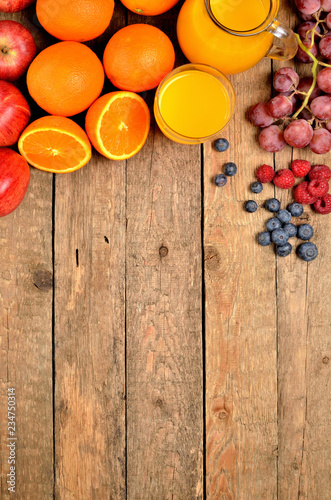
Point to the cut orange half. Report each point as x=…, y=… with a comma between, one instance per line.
x=55, y=144
x=117, y=124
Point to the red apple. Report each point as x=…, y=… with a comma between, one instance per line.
x=17, y=49
x=14, y=180
x=14, y=5
x=14, y=113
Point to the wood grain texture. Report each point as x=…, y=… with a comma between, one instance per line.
x=90, y=332
x=90, y=324
x=164, y=313
x=303, y=378
x=240, y=319
x=26, y=339
x=164, y=337
x=26, y=285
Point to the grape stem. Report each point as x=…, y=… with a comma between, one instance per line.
x=314, y=73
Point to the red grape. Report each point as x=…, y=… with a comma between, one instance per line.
x=303, y=56
x=321, y=107
x=328, y=21
x=321, y=141
x=325, y=46
x=272, y=139
x=308, y=6
x=328, y=125
x=259, y=115
x=306, y=114
x=298, y=134
x=292, y=97
x=324, y=80
x=326, y=5
x=304, y=86
x=289, y=72
x=305, y=27
x=280, y=106
x=282, y=83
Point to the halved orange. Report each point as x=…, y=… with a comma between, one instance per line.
x=117, y=124
x=55, y=144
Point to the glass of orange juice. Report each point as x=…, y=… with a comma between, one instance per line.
x=194, y=103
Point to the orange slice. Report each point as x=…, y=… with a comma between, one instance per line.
x=117, y=124
x=55, y=144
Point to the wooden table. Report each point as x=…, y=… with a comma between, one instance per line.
x=156, y=351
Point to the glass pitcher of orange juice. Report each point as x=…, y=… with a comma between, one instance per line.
x=233, y=35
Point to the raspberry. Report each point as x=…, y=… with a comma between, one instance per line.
x=265, y=173
x=284, y=179
x=323, y=205
x=301, y=194
x=300, y=168
x=318, y=188
x=321, y=172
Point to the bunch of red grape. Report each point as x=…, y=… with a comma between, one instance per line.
x=300, y=114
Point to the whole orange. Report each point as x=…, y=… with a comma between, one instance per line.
x=137, y=57
x=65, y=78
x=149, y=7
x=78, y=20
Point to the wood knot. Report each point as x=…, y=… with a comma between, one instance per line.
x=325, y=360
x=159, y=403
x=212, y=258
x=223, y=415
x=163, y=251
x=43, y=280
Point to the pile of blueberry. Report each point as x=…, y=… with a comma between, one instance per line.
x=280, y=229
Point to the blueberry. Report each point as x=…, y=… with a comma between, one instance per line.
x=264, y=238
x=305, y=232
x=284, y=216
x=279, y=236
x=295, y=209
x=230, y=169
x=273, y=223
x=291, y=229
x=250, y=206
x=221, y=145
x=307, y=251
x=220, y=180
x=272, y=205
x=284, y=250
x=256, y=187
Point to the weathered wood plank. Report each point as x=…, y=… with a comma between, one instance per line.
x=164, y=341
x=304, y=374
x=26, y=339
x=89, y=331
x=241, y=364
x=26, y=270
x=303, y=344
x=90, y=324
x=164, y=313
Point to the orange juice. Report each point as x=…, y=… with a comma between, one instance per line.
x=193, y=104
x=208, y=41
x=240, y=15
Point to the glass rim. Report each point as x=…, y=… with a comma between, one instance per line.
x=254, y=31
x=201, y=67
